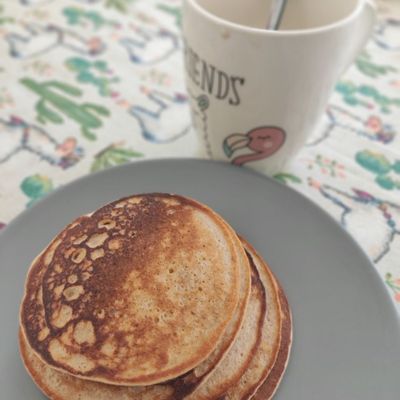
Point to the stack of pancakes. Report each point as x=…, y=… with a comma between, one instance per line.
x=153, y=297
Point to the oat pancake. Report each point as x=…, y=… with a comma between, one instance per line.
x=60, y=386
x=139, y=292
x=271, y=357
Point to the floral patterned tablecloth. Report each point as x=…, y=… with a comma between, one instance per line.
x=88, y=84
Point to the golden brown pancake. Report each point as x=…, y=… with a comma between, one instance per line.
x=268, y=365
x=139, y=292
x=61, y=386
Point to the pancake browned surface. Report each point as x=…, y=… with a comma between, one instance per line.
x=60, y=386
x=270, y=359
x=246, y=353
x=139, y=292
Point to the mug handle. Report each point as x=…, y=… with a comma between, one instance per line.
x=367, y=22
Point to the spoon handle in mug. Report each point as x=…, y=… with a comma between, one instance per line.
x=276, y=13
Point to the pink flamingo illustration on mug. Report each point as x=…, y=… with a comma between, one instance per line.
x=262, y=141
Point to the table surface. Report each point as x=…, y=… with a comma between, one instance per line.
x=88, y=84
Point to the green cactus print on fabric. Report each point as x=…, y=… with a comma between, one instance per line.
x=366, y=96
x=96, y=73
x=5, y=19
x=286, y=178
x=119, y=5
x=385, y=171
x=35, y=187
x=365, y=65
x=81, y=17
x=112, y=155
x=176, y=12
x=60, y=96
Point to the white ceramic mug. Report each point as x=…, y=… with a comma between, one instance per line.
x=256, y=95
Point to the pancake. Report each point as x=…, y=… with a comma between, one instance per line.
x=137, y=293
x=268, y=365
x=257, y=361
x=61, y=386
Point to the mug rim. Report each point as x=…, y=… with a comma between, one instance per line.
x=259, y=31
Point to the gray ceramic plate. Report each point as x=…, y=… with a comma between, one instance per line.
x=346, y=330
